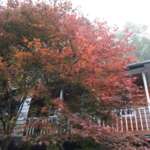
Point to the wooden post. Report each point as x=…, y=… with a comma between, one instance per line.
x=136, y=124
x=140, y=118
x=121, y=122
x=61, y=96
x=99, y=121
x=131, y=122
x=145, y=115
x=117, y=125
x=146, y=88
x=126, y=120
x=103, y=124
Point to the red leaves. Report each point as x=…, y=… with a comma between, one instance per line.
x=60, y=45
x=84, y=52
x=58, y=104
x=86, y=128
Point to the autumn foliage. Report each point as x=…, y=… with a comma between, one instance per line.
x=48, y=47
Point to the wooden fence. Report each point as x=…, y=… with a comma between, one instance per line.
x=125, y=120
x=42, y=126
x=133, y=119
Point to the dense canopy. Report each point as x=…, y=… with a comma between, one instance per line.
x=48, y=48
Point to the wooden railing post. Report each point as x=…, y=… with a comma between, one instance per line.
x=145, y=115
x=139, y=110
x=131, y=122
x=136, y=123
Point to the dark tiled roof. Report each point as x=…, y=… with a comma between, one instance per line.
x=137, y=65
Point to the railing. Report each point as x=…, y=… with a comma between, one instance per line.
x=42, y=126
x=125, y=120
x=133, y=119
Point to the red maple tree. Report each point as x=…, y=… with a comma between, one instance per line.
x=53, y=47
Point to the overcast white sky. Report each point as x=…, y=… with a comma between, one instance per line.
x=116, y=12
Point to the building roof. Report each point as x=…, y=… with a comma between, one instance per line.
x=137, y=68
x=138, y=65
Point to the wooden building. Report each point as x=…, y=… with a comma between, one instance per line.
x=137, y=118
